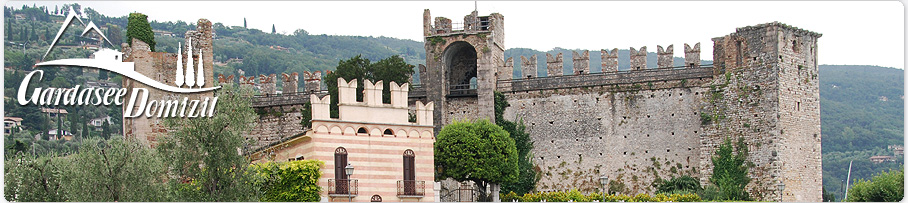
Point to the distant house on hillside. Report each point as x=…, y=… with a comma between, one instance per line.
x=897, y=150
x=162, y=33
x=98, y=122
x=53, y=134
x=11, y=123
x=881, y=159
x=51, y=112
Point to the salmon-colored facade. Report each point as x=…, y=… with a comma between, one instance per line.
x=391, y=156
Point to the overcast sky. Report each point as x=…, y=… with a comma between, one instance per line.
x=858, y=33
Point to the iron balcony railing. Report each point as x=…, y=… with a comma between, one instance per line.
x=342, y=187
x=461, y=90
x=416, y=91
x=411, y=188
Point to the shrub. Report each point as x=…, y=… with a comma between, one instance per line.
x=576, y=196
x=884, y=187
x=678, y=185
x=292, y=181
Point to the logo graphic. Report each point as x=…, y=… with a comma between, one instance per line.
x=111, y=60
x=139, y=103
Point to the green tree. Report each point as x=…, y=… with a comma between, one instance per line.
x=386, y=70
x=114, y=170
x=203, y=152
x=730, y=170
x=105, y=129
x=828, y=196
x=114, y=35
x=292, y=181
x=479, y=151
x=244, y=23
x=273, y=31
x=390, y=69
x=526, y=180
x=33, y=179
x=884, y=187
x=139, y=28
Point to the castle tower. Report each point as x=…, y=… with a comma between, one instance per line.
x=768, y=77
x=463, y=62
x=162, y=67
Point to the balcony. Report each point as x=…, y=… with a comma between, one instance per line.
x=342, y=188
x=411, y=188
x=462, y=90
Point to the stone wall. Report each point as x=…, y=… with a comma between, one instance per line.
x=162, y=67
x=648, y=123
x=610, y=60
x=638, y=58
x=632, y=133
x=666, y=57
x=554, y=65
x=581, y=62
x=766, y=93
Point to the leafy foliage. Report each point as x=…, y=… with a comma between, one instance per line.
x=139, y=28
x=292, y=181
x=730, y=170
x=862, y=113
x=33, y=179
x=203, y=152
x=479, y=151
x=386, y=70
x=576, y=196
x=678, y=185
x=114, y=170
x=527, y=177
x=885, y=187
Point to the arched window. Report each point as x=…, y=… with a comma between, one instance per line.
x=362, y=130
x=409, y=172
x=340, y=161
x=388, y=132
x=376, y=198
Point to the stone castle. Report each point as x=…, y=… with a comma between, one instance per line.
x=635, y=126
x=631, y=125
x=162, y=67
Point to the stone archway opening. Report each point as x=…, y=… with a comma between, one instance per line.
x=461, y=69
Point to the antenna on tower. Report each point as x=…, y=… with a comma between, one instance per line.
x=475, y=6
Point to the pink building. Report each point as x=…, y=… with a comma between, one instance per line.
x=391, y=156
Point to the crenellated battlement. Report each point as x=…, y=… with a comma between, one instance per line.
x=372, y=109
x=609, y=64
x=554, y=65
x=471, y=24
x=528, y=67
x=638, y=58
x=666, y=57
x=581, y=62
x=692, y=55
x=609, y=60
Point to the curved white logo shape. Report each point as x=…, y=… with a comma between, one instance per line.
x=125, y=69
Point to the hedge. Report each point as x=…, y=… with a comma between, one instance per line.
x=292, y=181
x=576, y=196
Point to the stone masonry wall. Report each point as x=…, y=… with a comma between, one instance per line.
x=275, y=123
x=766, y=93
x=631, y=133
x=162, y=68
